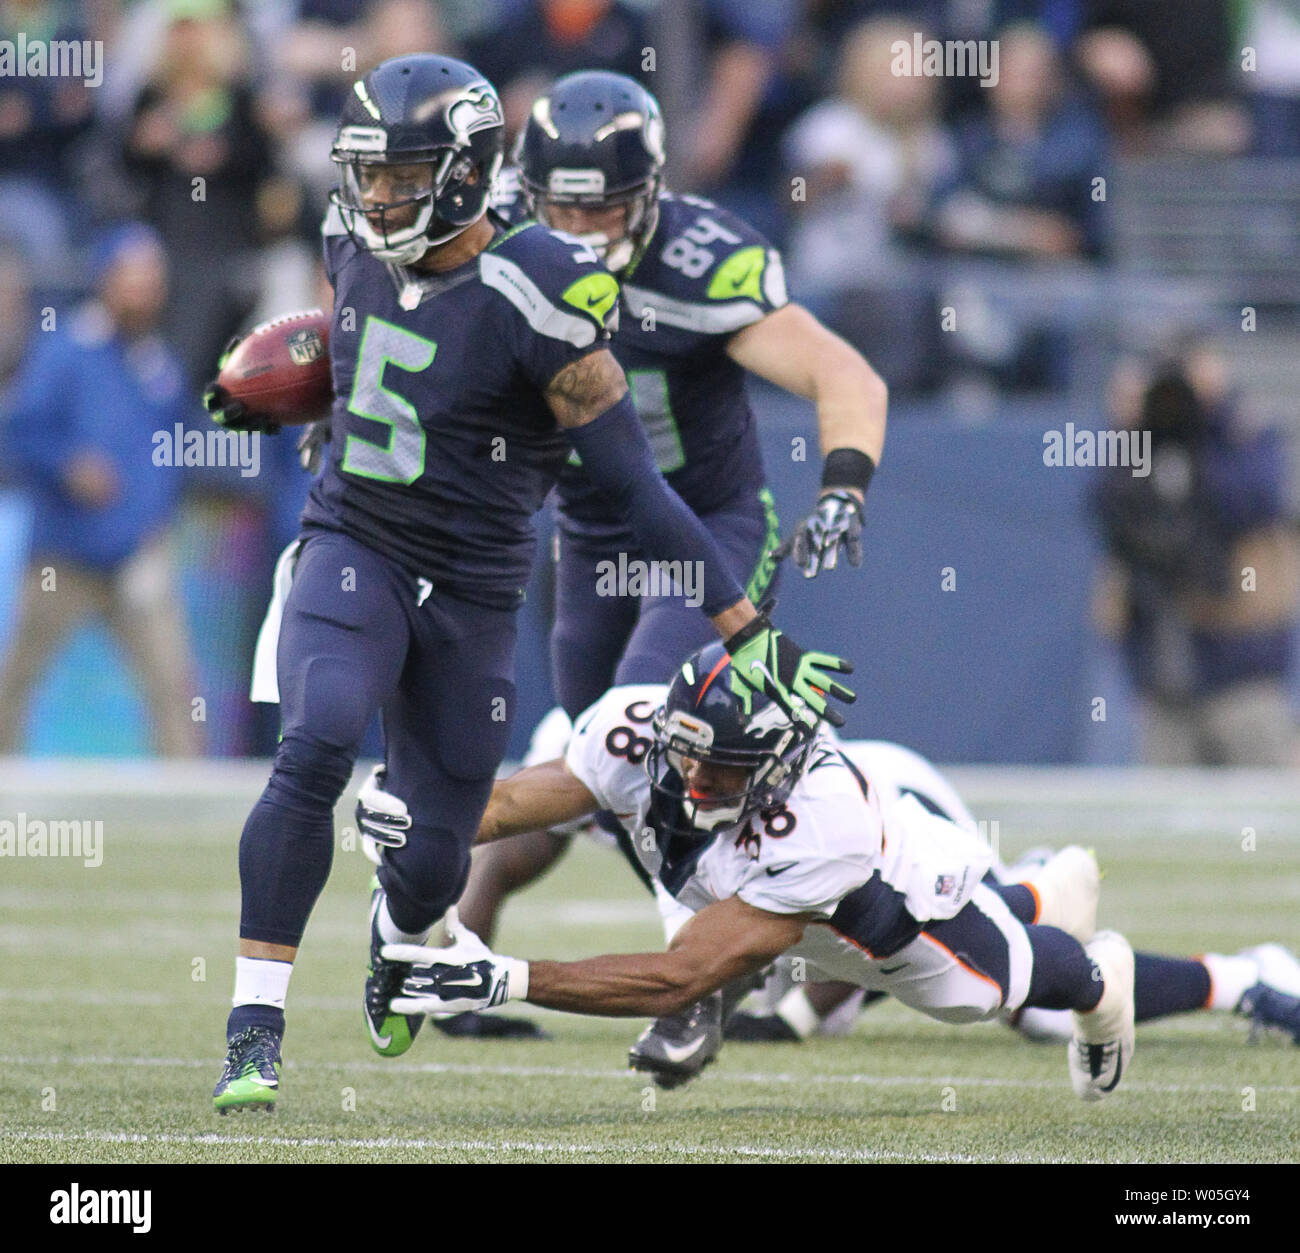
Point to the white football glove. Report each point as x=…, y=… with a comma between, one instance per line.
x=464, y=976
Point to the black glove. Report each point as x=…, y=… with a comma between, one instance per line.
x=817, y=540
x=229, y=413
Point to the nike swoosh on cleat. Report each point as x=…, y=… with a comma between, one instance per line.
x=380, y=1041
x=263, y=1083
x=776, y=870
x=889, y=970
x=680, y=1052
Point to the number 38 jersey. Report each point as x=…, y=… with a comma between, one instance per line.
x=873, y=864
x=442, y=444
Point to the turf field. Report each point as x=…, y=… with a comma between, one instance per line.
x=114, y=985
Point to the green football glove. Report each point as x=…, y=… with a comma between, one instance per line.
x=765, y=660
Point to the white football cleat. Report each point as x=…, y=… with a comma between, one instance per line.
x=1067, y=887
x=1102, y=1048
x=1278, y=968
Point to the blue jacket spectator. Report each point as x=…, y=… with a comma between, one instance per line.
x=89, y=395
x=97, y=402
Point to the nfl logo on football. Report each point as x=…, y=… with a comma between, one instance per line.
x=305, y=346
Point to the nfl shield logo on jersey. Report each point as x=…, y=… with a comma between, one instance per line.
x=945, y=885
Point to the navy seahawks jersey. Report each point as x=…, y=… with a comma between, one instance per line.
x=442, y=444
x=705, y=275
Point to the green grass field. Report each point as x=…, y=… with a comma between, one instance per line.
x=115, y=982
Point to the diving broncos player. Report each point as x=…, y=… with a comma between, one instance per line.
x=704, y=300
x=467, y=362
x=775, y=841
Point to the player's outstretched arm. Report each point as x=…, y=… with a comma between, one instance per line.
x=792, y=349
x=722, y=942
x=534, y=799
x=590, y=400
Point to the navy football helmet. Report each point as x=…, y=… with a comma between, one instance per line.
x=703, y=719
x=417, y=110
x=596, y=139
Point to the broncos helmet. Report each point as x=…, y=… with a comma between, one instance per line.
x=596, y=139
x=418, y=110
x=702, y=719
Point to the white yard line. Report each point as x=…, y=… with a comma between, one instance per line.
x=549, y=1148
x=574, y=1072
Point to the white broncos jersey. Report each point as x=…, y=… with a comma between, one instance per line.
x=855, y=852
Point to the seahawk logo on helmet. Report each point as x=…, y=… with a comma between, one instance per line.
x=596, y=140
x=476, y=109
x=703, y=721
x=440, y=121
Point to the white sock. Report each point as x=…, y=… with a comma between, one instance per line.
x=259, y=981
x=796, y=1011
x=389, y=931
x=1229, y=978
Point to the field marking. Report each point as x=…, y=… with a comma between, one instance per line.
x=574, y=1072
x=498, y=1146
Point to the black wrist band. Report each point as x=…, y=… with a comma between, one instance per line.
x=847, y=467
x=746, y=633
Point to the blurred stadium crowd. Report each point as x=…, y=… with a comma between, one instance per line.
x=1093, y=220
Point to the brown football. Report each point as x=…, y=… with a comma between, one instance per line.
x=281, y=369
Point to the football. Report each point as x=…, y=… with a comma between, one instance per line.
x=281, y=369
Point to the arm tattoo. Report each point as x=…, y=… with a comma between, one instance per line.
x=585, y=388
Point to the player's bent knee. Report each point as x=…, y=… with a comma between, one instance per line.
x=424, y=877
x=309, y=773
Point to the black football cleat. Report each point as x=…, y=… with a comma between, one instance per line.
x=760, y=1029
x=473, y=1025
x=675, y=1048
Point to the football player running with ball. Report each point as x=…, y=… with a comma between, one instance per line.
x=776, y=842
x=704, y=300
x=468, y=362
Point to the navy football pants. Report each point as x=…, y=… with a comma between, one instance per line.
x=600, y=641
x=355, y=640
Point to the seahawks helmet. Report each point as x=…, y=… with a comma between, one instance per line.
x=596, y=139
x=418, y=110
x=703, y=719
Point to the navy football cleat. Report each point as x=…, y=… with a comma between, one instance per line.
x=390, y=1034
x=251, y=1078
x=1267, y=1007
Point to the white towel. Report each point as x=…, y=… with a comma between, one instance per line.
x=265, y=686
